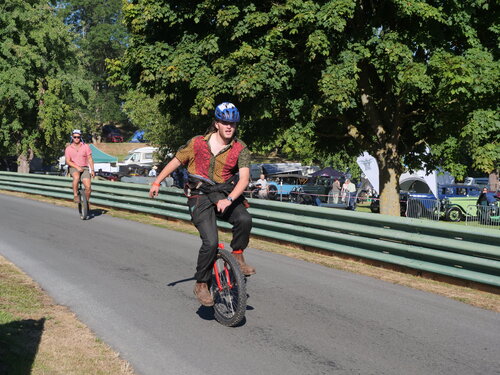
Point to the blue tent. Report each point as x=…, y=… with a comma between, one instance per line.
x=138, y=137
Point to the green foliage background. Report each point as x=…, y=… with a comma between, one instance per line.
x=43, y=90
x=316, y=81
x=313, y=78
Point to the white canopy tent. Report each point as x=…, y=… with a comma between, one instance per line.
x=419, y=180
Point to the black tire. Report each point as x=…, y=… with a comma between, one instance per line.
x=454, y=214
x=308, y=199
x=254, y=193
x=296, y=196
x=402, y=209
x=230, y=302
x=273, y=192
x=83, y=207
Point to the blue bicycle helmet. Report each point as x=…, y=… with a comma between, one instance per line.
x=227, y=112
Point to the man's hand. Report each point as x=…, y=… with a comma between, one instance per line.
x=223, y=204
x=92, y=173
x=154, y=191
x=79, y=169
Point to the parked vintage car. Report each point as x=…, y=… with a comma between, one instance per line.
x=454, y=201
x=280, y=186
x=314, y=192
x=459, y=201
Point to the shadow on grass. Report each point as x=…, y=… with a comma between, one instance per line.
x=19, y=341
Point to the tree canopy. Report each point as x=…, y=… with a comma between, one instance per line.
x=100, y=35
x=312, y=77
x=43, y=89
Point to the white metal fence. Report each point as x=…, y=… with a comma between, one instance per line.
x=423, y=208
x=483, y=216
x=472, y=215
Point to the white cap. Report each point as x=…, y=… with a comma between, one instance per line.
x=76, y=131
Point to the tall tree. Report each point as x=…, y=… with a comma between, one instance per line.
x=101, y=35
x=41, y=87
x=385, y=76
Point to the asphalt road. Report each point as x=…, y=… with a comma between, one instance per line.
x=132, y=285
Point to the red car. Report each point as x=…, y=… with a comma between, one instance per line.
x=114, y=138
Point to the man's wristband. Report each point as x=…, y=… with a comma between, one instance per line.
x=229, y=198
x=156, y=184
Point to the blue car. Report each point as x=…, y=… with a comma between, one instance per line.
x=280, y=186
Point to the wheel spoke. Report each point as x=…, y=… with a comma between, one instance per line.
x=228, y=290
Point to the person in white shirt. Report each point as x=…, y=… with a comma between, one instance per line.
x=263, y=186
x=152, y=172
x=351, y=194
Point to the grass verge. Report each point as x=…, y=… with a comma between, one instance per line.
x=66, y=346
x=39, y=337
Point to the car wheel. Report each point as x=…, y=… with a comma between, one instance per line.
x=308, y=199
x=454, y=214
x=402, y=209
x=273, y=192
x=254, y=193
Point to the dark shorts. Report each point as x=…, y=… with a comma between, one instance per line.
x=85, y=174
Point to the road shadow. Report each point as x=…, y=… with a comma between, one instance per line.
x=19, y=343
x=207, y=313
x=174, y=283
x=96, y=212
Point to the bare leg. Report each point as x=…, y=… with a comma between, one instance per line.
x=76, y=178
x=86, y=183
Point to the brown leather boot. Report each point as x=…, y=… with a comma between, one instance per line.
x=245, y=268
x=203, y=294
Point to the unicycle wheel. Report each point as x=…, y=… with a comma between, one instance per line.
x=228, y=288
x=83, y=206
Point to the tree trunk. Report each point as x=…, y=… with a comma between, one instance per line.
x=493, y=181
x=389, y=173
x=23, y=162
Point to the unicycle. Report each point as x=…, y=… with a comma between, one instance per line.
x=228, y=289
x=83, y=205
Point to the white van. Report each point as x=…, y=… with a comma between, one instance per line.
x=480, y=181
x=143, y=156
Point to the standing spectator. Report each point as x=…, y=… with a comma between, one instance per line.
x=484, y=200
x=152, y=172
x=335, y=191
x=348, y=194
x=351, y=188
x=263, y=186
x=344, y=191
